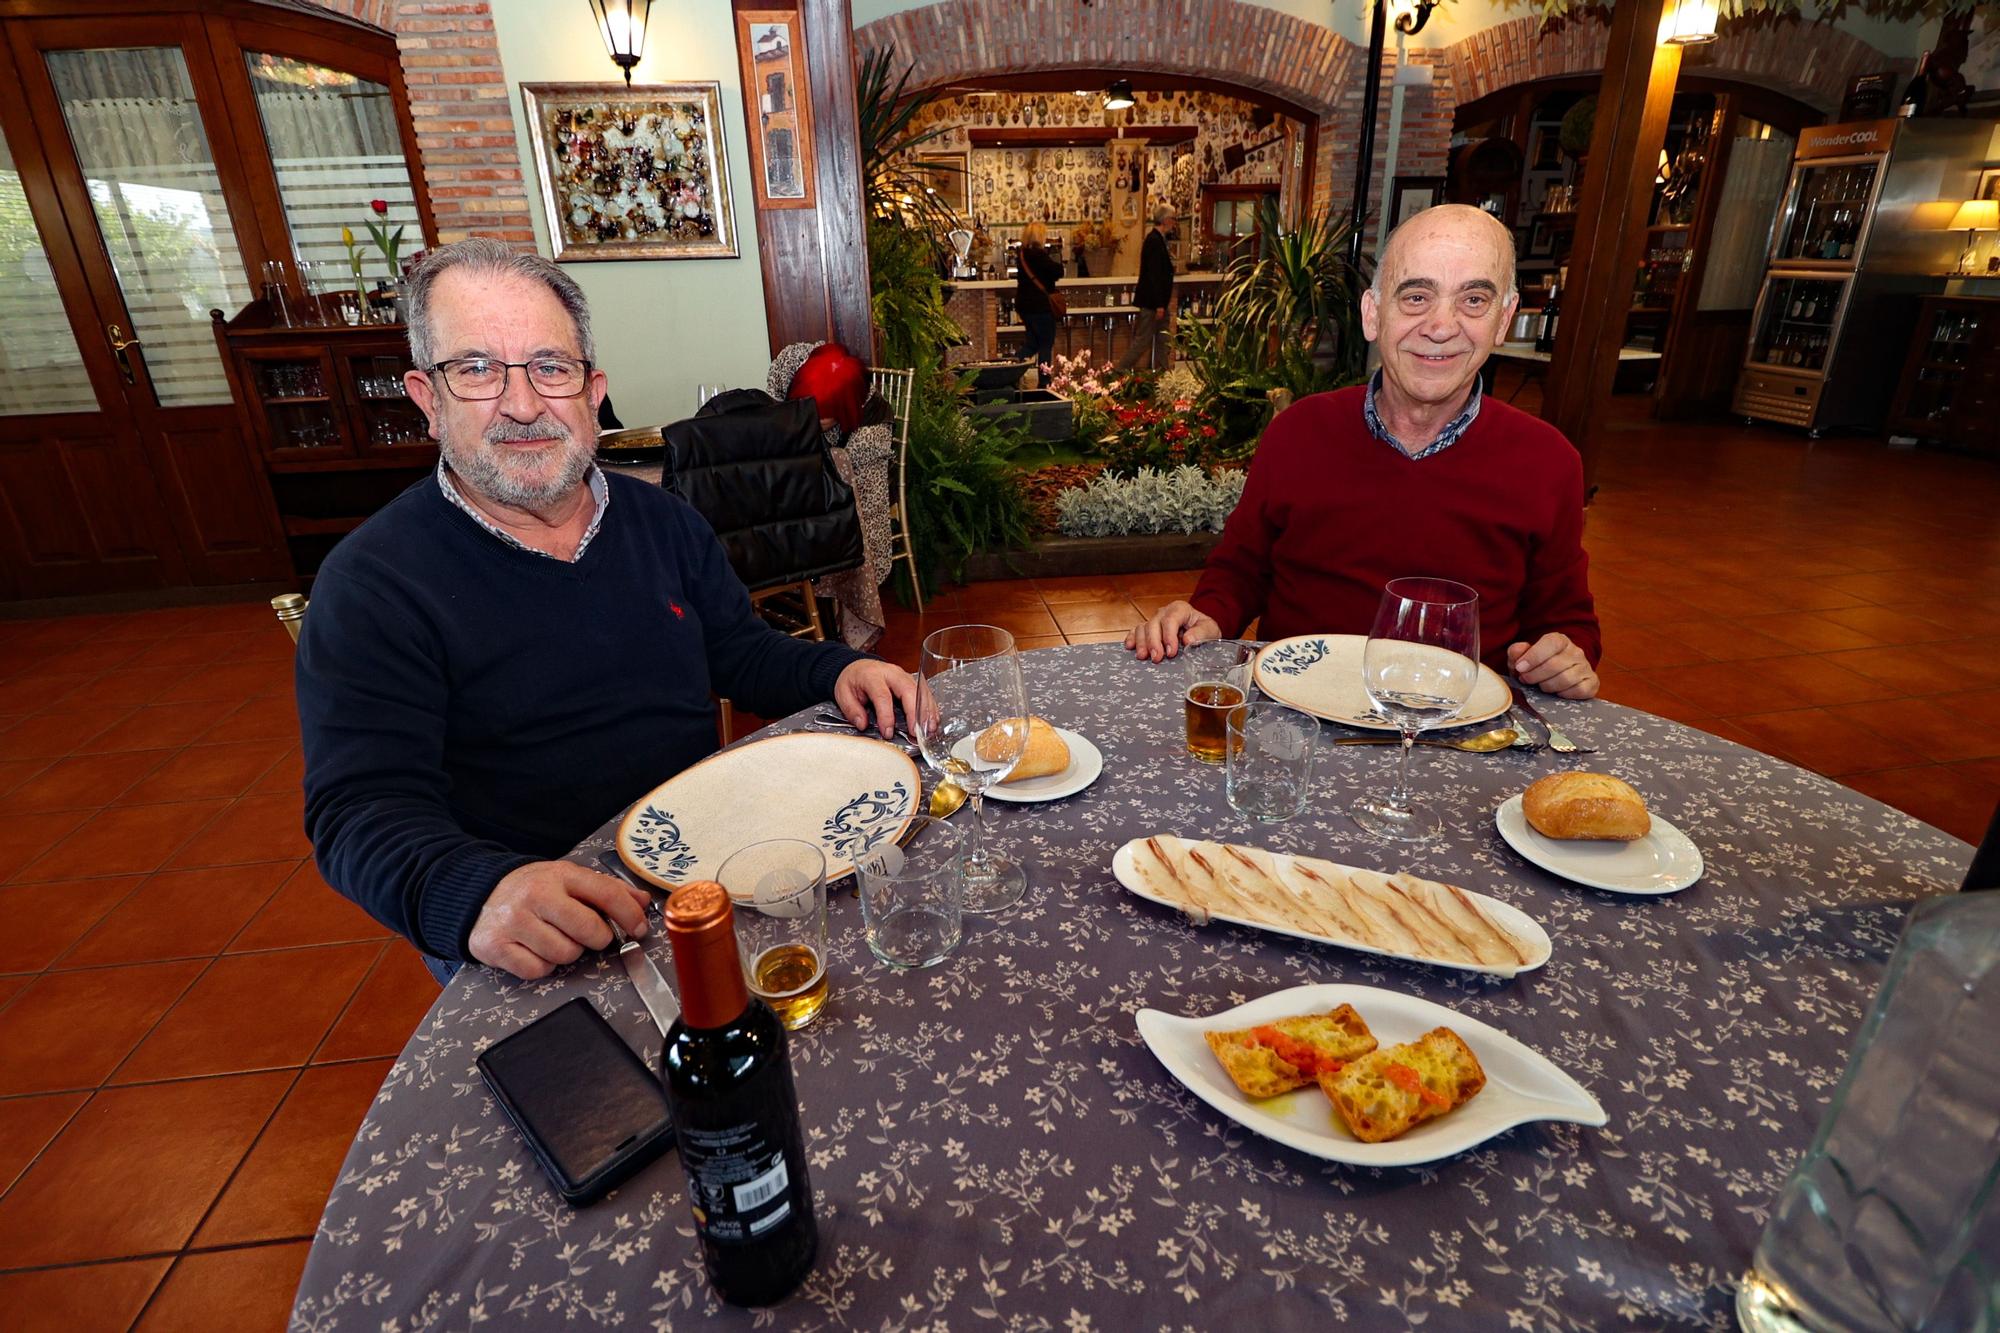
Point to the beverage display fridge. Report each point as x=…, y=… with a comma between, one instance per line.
x=1854, y=245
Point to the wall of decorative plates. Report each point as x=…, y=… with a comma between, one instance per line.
x=1010, y=187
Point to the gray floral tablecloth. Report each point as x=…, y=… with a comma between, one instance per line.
x=992, y=1147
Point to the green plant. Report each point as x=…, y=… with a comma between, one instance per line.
x=964, y=491
x=906, y=295
x=1577, y=127
x=1186, y=499
x=883, y=113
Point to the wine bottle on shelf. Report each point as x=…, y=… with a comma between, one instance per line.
x=736, y=1113
x=1545, y=335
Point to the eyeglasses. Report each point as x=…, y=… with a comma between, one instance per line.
x=478, y=378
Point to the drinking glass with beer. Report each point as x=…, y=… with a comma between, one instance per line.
x=778, y=891
x=1218, y=685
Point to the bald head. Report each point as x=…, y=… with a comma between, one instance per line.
x=1453, y=225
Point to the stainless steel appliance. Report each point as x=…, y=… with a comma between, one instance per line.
x=1859, y=236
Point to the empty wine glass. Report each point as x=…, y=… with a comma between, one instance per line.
x=972, y=727
x=1420, y=665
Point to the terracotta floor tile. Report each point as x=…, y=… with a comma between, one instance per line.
x=158, y=725
x=199, y=771
x=1167, y=583
x=202, y=649
x=287, y=775
x=1021, y=623
x=1721, y=640
x=306, y=910
x=1080, y=588
x=12, y=986
x=260, y=719
x=136, y=1169
x=1659, y=607
x=14, y=772
x=1892, y=625
x=1074, y=618
x=179, y=914
x=90, y=658
x=1642, y=647
x=234, y=680
x=53, y=735
x=250, y=1288
x=28, y=1125
x=251, y=1011
x=1767, y=685
x=387, y=1009
x=70, y=1029
x=1026, y=642
x=132, y=688
x=84, y=782
x=1817, y=739
x=1915, y=669
x=1946, y=795
x=1810, y=631
x=39, y=921
x=1099, y=636
x=24, y=838
x=1010, y=596
x=124, y=840
x=253, y=828
x=281, y=1188
x=86, y=1298
x=1929, y=726
x=32, y=694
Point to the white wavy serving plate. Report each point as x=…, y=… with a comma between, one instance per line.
x=1664, y=861
x=1321, y=674
x=1524, y=927
x=843, y=794
x=1521, y=1084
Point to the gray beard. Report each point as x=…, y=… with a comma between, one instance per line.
x=481, y=468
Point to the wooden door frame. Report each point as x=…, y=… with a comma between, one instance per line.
x=1208, y=193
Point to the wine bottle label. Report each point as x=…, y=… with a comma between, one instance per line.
x=737, y=1182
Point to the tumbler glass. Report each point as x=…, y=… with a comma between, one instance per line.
x=913, y=894
x=1269, y=765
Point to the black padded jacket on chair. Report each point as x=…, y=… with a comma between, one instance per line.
x=760, y=473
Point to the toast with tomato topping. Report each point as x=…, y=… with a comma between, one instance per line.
x=1396, y=1088
x=1292, y=1052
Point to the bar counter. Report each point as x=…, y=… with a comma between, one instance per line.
x=1100, y=319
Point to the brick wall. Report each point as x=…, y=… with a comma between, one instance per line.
x=459, y=99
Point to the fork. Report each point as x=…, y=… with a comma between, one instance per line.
x=1558, y=742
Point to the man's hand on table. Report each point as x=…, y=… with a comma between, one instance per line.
x=1554, y=665
x=874, y=685
x=1172, y=627
x=547, y=913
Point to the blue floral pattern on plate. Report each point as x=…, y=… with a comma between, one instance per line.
x=864, y=821
x=1293, y=659
x=657, y=842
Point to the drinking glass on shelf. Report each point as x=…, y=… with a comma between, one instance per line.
x=913, y=894
x=1216, y=678
x=1419, y=667
x=1269, y=765
x=778, y=890
x=972, y=727
x=275, y=295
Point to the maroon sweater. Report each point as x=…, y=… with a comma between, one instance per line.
x=1330, y=514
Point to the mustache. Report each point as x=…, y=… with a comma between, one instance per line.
x=515, y=432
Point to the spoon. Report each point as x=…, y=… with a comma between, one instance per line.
x=947, y=796
x=1486, y=742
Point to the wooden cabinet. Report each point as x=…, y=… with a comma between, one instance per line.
x=1950, y=391
x=326, y=409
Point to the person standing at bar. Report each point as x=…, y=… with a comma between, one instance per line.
x=1036, y=277
x=1155, y=290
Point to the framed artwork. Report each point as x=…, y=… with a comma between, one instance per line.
x=1989, y=184
x=1547, y=155
x=777, y=105
x=632, y=173
x=1541, y=241
x=945, y=175
x=1411, y=195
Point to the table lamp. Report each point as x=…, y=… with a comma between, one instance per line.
x=1973, y=217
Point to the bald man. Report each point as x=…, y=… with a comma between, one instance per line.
x=1414, y=473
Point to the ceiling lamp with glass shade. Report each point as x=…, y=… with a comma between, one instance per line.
x=1691, y=23
x=622, y=24
x=1119, y=95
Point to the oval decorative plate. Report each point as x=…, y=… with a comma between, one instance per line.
x=844, y=794
x=1521, y=1084
x=1664, y=861
x=1321, y=674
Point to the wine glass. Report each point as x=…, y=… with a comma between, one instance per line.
x=972, y=727
x=1420, y=665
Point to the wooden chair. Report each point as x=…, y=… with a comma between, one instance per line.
x=895, y=387
x=291, y=611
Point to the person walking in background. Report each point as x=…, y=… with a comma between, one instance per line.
x=1154, y=292
x=1036, y=277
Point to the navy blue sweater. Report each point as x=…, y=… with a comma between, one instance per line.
x=468, y=707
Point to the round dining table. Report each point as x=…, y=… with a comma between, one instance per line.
x=991, y=1145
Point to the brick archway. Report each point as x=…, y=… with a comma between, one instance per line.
x=458, y=100
x=1808, y=61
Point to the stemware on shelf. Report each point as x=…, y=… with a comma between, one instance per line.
x=1419, y=667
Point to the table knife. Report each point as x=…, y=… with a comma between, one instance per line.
x=646, y=979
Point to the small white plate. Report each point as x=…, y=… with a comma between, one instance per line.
x=1523, y=926
x=1663, y=861
x=1521, y=1085
x=1086, y=761
x=1321, y=674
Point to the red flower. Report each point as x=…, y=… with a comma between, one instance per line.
x=1208, y=432
x=381, y=207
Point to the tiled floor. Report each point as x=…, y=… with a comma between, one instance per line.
x=192, y=1024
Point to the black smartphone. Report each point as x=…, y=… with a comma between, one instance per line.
x=591, y=1111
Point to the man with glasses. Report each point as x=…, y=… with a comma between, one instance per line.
x=519, y=645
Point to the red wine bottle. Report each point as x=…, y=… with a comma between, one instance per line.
x=736, y=1112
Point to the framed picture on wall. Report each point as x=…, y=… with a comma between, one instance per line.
x=1989, y=184
x=1411, y=195
x=632, y=173
x=945, y=175
x=777, y=105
